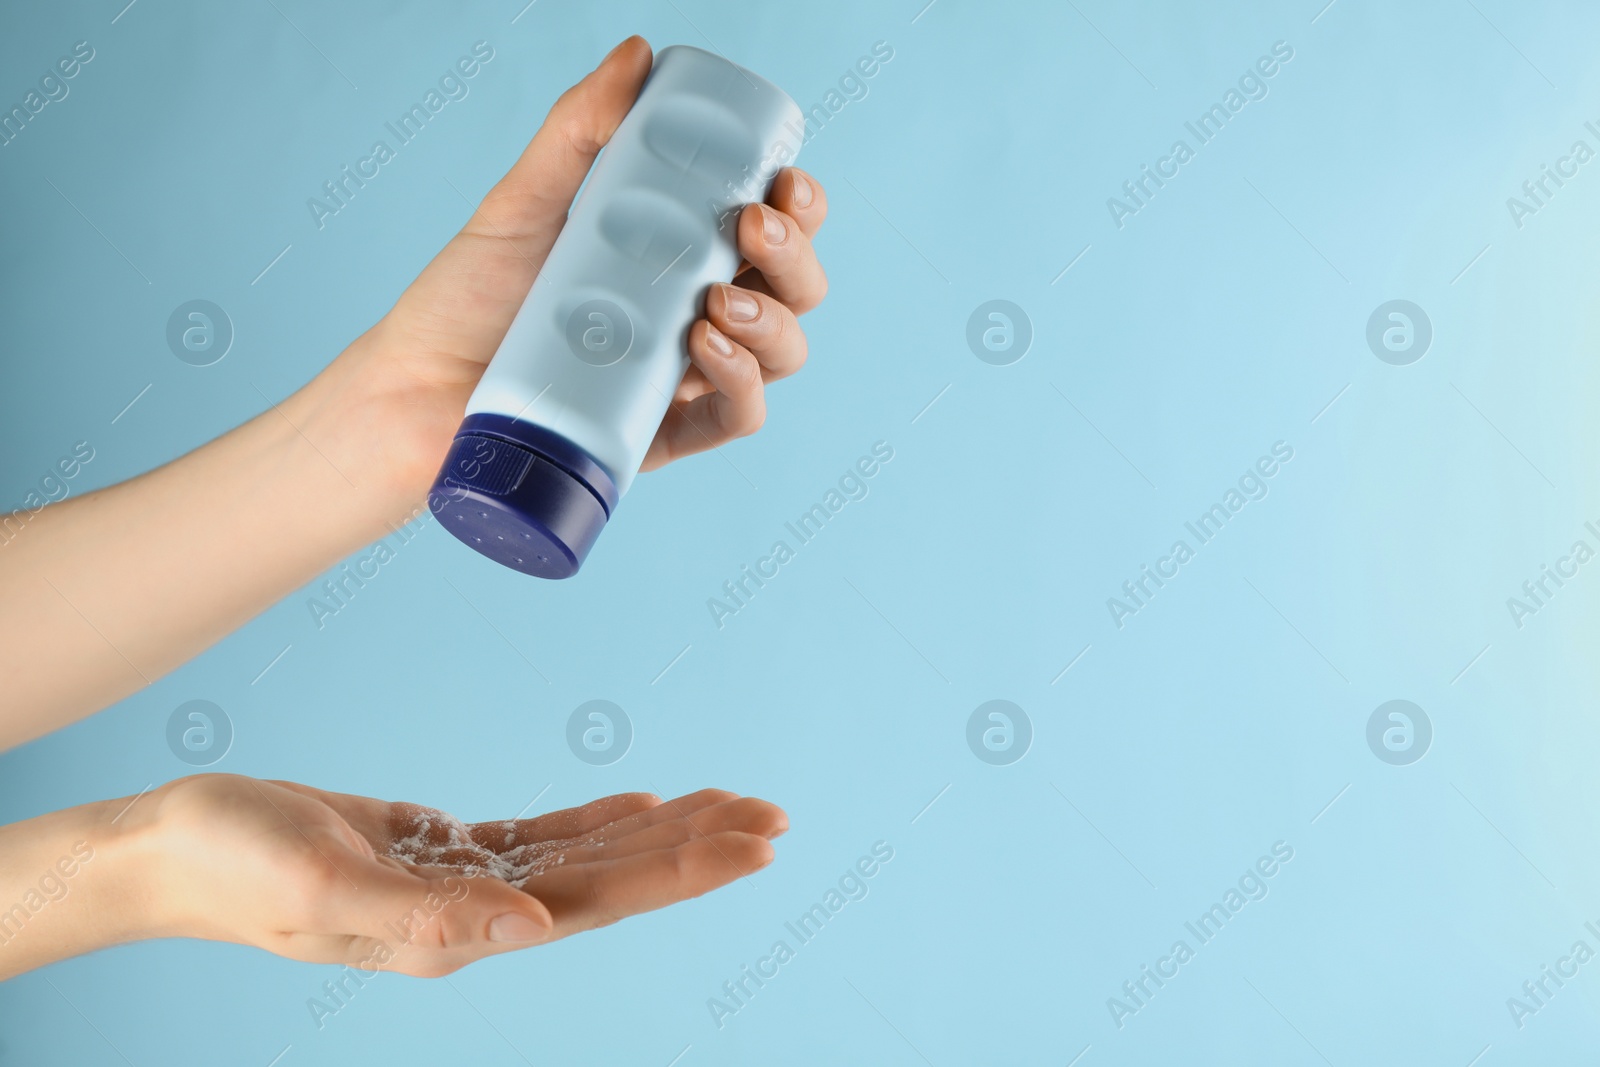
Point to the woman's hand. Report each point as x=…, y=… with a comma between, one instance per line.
x=87, y=618
x=426, y=355
x=334, y=878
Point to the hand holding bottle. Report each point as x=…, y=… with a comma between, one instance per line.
x=86, y=620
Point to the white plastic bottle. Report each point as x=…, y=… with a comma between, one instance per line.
x=557, y=428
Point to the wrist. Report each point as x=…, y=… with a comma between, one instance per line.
x=379, y=432
x=137, y=882
x=74, y=881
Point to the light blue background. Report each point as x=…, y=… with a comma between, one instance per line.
x=1224, y=717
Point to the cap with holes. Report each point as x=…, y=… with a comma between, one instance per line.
x=522, y=495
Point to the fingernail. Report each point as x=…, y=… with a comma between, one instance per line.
x=741, y=306
x=802, y=192
x=772, y=227
x=514, y=926
x=717, y=342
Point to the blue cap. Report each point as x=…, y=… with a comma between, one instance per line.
x=522, y=495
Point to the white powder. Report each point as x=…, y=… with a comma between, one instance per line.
x=431, y=838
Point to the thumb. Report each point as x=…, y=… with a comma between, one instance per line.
x=431, y=921
x=463, y=302
x=529, y=205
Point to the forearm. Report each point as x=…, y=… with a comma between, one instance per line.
x=102, y=594
x=71, y=882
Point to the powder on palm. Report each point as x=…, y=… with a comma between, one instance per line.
x=427, y=837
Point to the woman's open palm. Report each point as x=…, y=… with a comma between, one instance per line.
x=336, y=878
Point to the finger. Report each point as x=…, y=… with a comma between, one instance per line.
x=692, y=385
x=801, y=197
x=665, y=811
x=486, y=270
x=529, y=205
x=762, y=324
x=775, y=246
x=749, y=815
x=559, y=825
x=629, y=822
x=588, y=895
x=427, y=920
x=736, y=407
